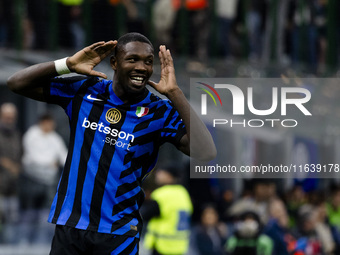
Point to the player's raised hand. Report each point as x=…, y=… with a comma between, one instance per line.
x=86, y=59
x=167, y=83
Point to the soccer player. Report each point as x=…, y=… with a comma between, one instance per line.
x=117, y=127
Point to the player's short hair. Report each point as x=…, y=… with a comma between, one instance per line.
x=131, y=37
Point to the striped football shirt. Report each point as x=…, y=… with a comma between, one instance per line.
x=112, y=147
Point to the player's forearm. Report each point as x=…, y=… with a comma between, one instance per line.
x=31, y=77
x=198, y=135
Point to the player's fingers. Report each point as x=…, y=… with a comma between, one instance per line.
x=152, y=83
x=162, y=51
x=108, y=45
x=98, y=74
x=166, y=58
x=170, y=59
x=106, y=48
x=166, y=55
x=161, y=59
x=163, y=56
x=95, y=45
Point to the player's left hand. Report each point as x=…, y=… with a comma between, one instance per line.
x=167, y=83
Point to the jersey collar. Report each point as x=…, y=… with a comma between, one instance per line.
x=135, y=100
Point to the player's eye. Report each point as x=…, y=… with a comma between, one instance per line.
x=149, y=62
x=132, y=60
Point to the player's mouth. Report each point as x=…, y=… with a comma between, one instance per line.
x=138, y=80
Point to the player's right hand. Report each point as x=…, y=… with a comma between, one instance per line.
x=86, y=59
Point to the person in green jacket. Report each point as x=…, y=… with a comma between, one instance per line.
x=248, y=238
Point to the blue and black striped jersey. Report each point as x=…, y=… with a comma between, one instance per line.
x=113, y=146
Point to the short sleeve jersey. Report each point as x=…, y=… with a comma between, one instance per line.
x=112, y=147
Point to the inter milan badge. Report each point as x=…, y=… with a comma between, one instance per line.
x=113, y=116
x=142, y=111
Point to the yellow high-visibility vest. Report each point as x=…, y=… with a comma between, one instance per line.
x=71, y=2
x=169, y=233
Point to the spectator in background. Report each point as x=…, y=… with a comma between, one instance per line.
x=5, y=21
x=10, y=158
x=324, y=230
x=263, y=192
x=307, y=240
x=276, y=19
x=137, y=15
x=44, y=153
x=210, y=235
x=201, y=193
x=333, y=208
x=321, y=25
x=163, y=21
x=104, y=20
x=71, y=33
x=333, y=213
x=197, y=27
x=295, y=198
x=168, y=215
x=38, y=16
x=255, y=19
x=224, y=204
x=248, y=237
x=277, y=227
x=226, y=12
x=304, y=34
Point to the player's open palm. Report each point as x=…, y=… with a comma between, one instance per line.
x=167, y=82
x=86, y=59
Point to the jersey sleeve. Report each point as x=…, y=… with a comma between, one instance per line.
x=174, y=128
x=62, y=90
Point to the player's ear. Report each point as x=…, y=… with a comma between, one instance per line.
x=113, y=62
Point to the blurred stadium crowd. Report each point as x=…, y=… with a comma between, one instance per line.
x=264, y=217
x=292, y=32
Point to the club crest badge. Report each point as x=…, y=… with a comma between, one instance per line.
x=113, y=116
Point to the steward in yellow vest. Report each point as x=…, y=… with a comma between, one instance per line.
x=71, y=2
x=168, y=229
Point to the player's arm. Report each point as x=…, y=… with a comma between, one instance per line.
x=197, y=142
x=30, y=81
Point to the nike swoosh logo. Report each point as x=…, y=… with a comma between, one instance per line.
x=93, y=98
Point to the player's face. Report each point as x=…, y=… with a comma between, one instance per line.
x=133, y=67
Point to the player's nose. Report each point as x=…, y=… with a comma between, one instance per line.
x=140, y=66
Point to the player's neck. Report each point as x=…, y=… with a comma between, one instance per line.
x=127, y=97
